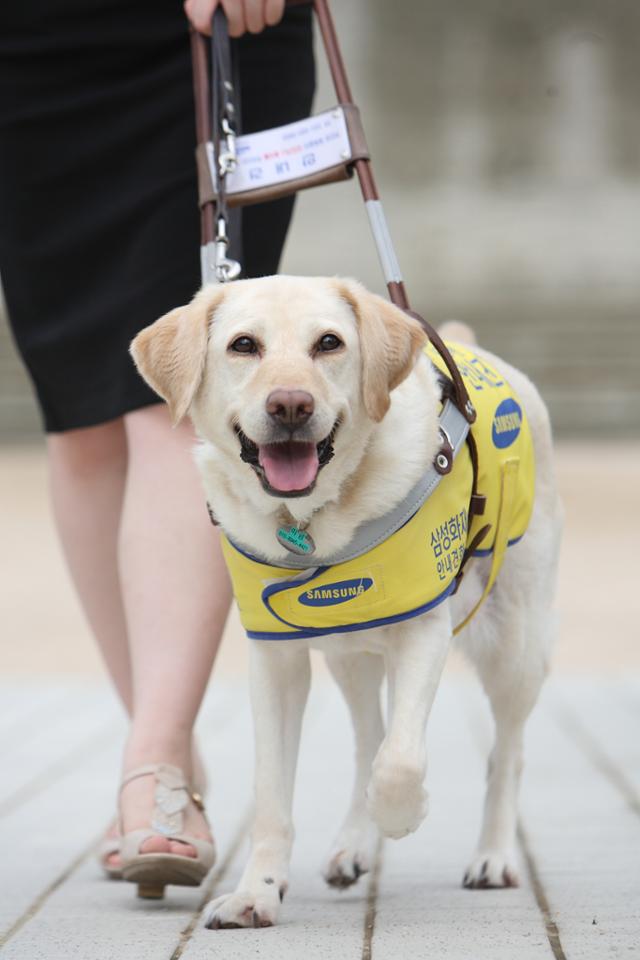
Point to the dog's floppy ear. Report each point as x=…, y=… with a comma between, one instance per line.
x=170, y=354
x=390, y=342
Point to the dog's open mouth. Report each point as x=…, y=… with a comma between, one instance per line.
x=289, y=468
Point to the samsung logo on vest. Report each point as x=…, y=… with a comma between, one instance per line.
x=507, y=421
x=333, y=593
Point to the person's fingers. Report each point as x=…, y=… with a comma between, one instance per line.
x=242, y=15
x=273, y=11
x=235, y=17
x=254, y=15
x=200, y=13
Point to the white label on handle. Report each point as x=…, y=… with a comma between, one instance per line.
x=295, y=150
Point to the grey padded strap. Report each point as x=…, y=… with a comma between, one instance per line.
x=374, y=532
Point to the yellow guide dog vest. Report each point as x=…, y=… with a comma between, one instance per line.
x=415, y=568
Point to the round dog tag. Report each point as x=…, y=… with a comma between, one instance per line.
x=296, y=540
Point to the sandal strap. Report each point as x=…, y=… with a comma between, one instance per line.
x=171, y=776
x=172, y=796
x=166, y=773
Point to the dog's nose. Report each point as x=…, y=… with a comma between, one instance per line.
x=291, y=407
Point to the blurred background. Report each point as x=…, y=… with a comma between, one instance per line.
x=505, y=136
x=506, y=146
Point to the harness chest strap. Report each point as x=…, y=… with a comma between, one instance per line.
x=508, y=494
x=507, y=499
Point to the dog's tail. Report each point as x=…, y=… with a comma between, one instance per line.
x=458, y=332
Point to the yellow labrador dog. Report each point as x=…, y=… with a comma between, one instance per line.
x=317, y=411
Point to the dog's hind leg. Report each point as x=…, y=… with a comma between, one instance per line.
x=280, y=677
x=359, y=676
x=512, y=668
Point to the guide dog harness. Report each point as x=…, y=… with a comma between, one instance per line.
x=475, y=500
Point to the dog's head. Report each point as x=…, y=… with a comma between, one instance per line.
x=279, y=370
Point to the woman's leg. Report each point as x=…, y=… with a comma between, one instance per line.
x=164, y=514
x=176, y=597
x=87, y=471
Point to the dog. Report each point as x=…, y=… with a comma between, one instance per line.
x=317, y=410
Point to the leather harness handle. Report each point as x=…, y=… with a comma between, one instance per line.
x=396, y=289
x=201, y=95
x=361, y=165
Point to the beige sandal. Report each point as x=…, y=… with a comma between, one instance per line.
x=153, y=871
x=111, y=844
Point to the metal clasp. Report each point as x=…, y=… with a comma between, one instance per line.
x=444, y=457
x=226, y=269
x=228, y=158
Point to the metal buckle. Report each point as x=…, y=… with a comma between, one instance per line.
x=444, y=457
x=226, y=269
x=228, y=158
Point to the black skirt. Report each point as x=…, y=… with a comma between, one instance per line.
x=99, y=227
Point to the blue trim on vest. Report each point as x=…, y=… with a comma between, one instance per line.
x=250, y=556
x=489, y=550
x=282, y=585
x=308, y=633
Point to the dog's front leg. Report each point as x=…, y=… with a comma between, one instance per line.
x=359, y=676
x=415, y=655
x=280, y=676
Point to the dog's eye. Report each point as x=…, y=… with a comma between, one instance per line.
x=244, y=345
x=329, y=342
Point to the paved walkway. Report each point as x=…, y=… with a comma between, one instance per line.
x=579, y=835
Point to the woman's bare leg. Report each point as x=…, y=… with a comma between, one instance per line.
x=87, y=472
x=165, y=509
x=176, y=597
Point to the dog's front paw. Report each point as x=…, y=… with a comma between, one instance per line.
x=490, y=869
x=244, y=908
x=350, y=856
x=396, y=799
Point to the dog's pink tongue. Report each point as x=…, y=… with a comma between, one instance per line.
x=289, y=466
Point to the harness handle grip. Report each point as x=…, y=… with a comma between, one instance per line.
x=361, y=165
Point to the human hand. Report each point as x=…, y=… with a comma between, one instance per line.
x=242, y=15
